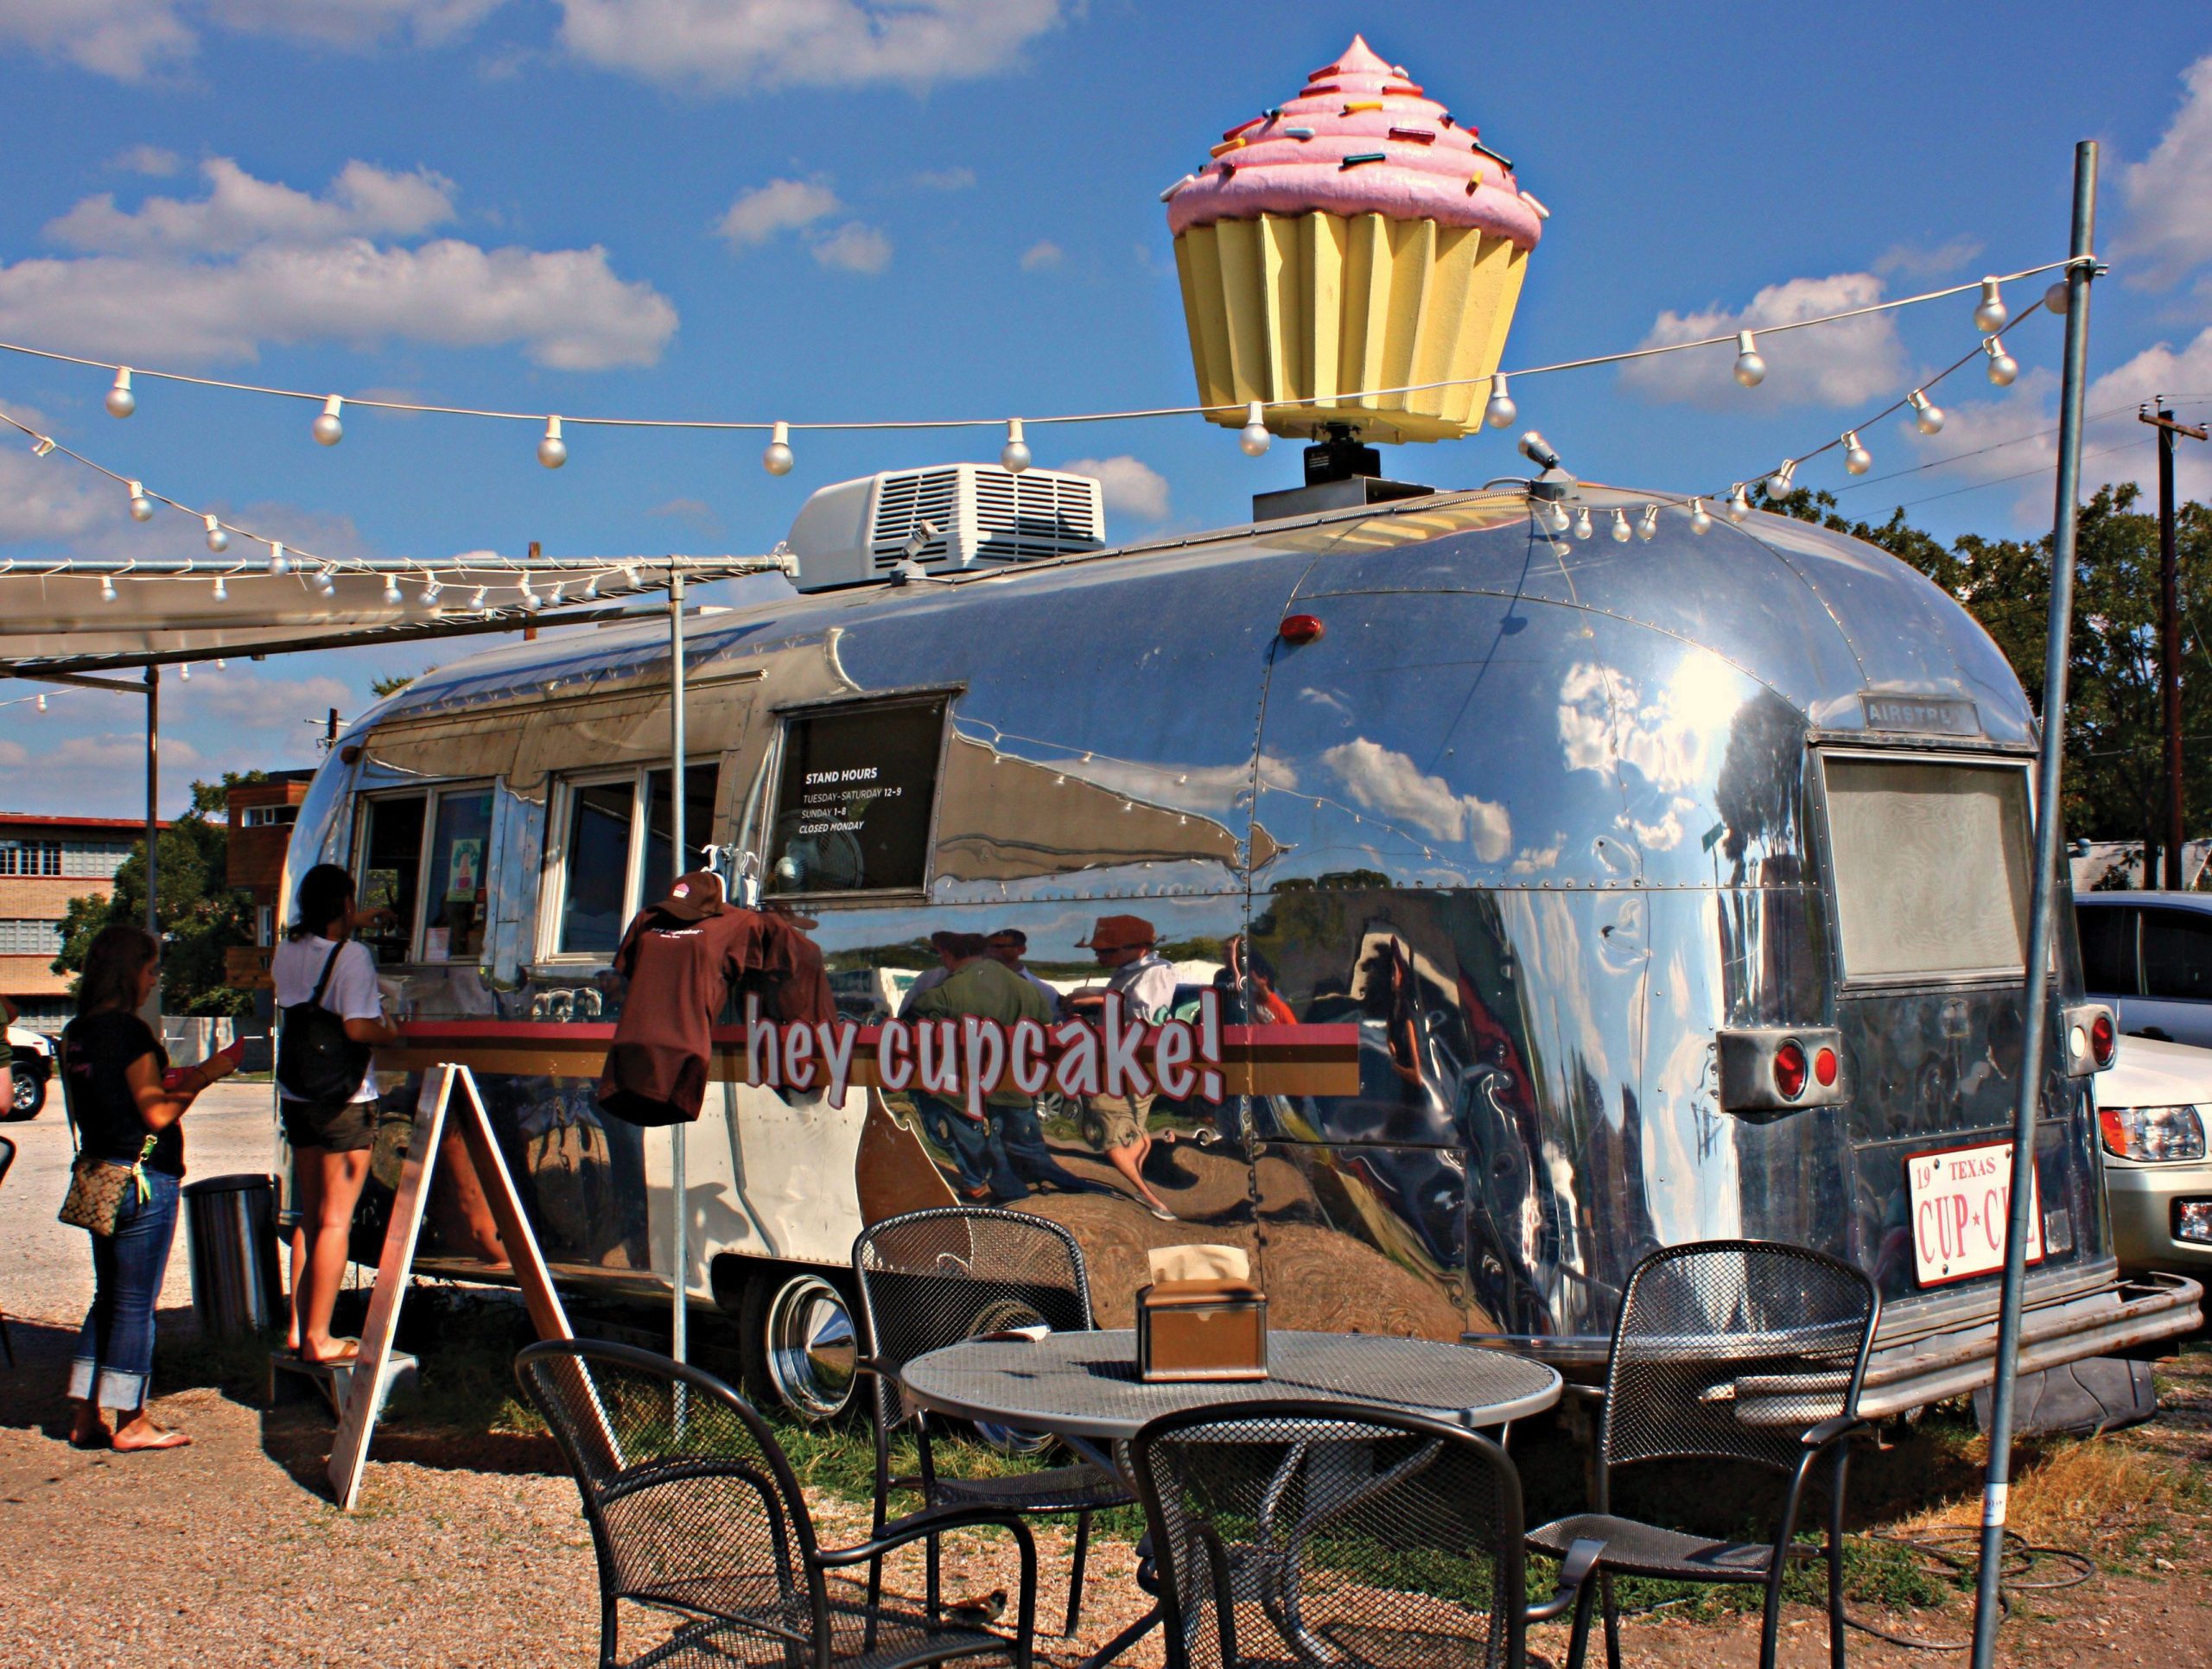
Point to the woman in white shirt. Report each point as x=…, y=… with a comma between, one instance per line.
x=330, y=1137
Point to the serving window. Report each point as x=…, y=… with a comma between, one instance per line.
x=856, y=797
x=1932, y=866
x=422, y=857
x=611, y=854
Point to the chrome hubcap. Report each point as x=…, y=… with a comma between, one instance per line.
x=812, y=1346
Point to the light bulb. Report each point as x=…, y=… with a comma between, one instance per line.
x=121, y=402
x=41, y=704
x=391, y=597
x=42, y=446
x=1989, y=316
x=530, y=599
x=328, y=430
x=1254, y=438
x=325, y=584
x=430, y=590
x=1648, y=527
x=1783, y=481
x=1740, y=503
x=1700, y=519
x=2003, y=367
x=107, y=589
x=1555, y=517
x=142, y=507
x=278, y=561
x=184, y=672
x=1620, y=527
x=777, y=457
x=559, y=586
x=1751, y=367
x=2058, y=298
x=1927, y=415
x=217, y=540
x=222, y=591
x=477, y=601
x=630, y=578
x=219, y=663
x=1501, y=411
x=1582, y=523
x=1014, y=456
x=552, y=451
x=591, y=588
x=1857, y=461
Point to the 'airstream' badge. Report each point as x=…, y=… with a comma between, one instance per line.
x=1942, y=715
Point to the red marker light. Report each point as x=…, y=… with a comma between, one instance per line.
x=2103, y=1043
x=1824, y=1067
x=1789, y=1069
x=1299, y=629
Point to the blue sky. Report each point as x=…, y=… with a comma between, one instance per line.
x=814, y=209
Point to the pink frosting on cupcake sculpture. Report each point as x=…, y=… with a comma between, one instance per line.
x=1360, y=139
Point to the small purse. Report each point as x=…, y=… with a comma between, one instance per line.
x=97, y=1187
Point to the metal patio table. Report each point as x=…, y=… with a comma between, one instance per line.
x=1083, y=1387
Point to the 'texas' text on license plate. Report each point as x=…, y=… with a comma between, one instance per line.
x=1960, y=1204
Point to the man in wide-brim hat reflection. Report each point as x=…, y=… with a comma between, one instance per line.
x=1146, y=984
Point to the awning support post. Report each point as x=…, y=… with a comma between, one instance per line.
x=153, y=823
x=679, y=1205
x=2036, y=1019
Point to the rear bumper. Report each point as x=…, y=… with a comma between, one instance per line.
x=2142, y=1198
x=2133, y=1311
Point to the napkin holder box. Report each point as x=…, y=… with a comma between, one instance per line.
x=1201, y=1330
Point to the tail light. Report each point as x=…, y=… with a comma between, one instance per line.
x=2104, y=1040
x=1789, y=1069
x=2089, y=1038
x=1780, y=1069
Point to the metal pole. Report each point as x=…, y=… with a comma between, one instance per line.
x=2169, y=650
x=2036, y=1019
x=679, y=1228
x=153, y=820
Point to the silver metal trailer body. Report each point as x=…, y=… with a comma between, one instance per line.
x=1486, y=867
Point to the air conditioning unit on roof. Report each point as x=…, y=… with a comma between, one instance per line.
x=949, y=518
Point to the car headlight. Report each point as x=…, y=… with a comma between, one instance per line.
x=2149, y=1135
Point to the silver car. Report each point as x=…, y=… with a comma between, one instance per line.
x=2152, y=1105
x=2149, y=956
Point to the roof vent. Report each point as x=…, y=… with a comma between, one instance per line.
x=949, y=518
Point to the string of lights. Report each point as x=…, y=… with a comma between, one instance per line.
x=329, y=427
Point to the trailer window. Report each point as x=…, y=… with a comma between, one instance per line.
x=1931, y=868
x=614, y=857
x=453, y=915
x=856, y=798
x=392, y=866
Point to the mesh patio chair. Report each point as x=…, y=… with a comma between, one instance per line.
x=1334, y=1535
x=931, y=1279
x=7, y=1159
x=707, y=1554
x=1731, y=1350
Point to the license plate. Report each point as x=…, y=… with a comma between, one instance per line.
x=1961, y=1206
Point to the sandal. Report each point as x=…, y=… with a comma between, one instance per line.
x=161, y=1440
x=345, y=1356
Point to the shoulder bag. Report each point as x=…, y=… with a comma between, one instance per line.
x=97, y=1188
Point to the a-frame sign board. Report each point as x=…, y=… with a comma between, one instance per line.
x=364, y=1398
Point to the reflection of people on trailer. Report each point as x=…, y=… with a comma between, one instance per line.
x=1144, y=981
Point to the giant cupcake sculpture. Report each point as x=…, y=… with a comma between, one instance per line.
x=1360, y=237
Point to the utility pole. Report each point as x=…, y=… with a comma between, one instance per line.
x=2161, y=417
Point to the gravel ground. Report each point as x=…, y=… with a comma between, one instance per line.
x=469, y=1550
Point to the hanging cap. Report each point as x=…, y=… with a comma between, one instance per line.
x=1119, y=933
x=693, y=896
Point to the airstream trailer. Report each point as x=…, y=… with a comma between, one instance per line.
x=1531, y=901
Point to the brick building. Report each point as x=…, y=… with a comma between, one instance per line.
x=44, y=863
x=261, y=815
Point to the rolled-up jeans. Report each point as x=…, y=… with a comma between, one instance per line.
x=115, y=1348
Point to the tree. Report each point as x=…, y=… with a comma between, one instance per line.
x=200, y=915
x=2115, y=770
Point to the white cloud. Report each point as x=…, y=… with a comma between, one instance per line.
x=255, y=261
x=2169, y=193
x=112, y=752
x=1039, y=256
x=240, y=211
x=735, y=45
x=125, y=40
x=961, y=179
x=149, y=160
x=759, y=215
x=1916, y=260
x=139, y=40
x=1392, y=786
x=241, y=698
x=1131, y=485
x=854, y=247
x=1837, y=364
x=695, y=513
x=47, y=498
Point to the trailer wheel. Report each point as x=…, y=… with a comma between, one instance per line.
x=800, y=1344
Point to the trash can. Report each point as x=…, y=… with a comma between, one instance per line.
x=236, y=1288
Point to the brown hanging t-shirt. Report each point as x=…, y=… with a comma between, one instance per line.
x=680, y=975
